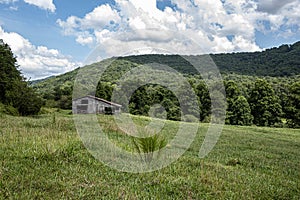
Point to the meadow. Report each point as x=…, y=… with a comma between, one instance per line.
x=43, y=158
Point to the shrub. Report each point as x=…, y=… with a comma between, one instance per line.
x=190, y=118
x=8, y=110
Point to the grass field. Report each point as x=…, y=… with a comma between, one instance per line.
x=44, y=158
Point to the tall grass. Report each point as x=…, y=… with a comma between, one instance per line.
x=45, y=159
x=147, y=144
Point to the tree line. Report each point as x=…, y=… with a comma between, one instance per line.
x=261, y=106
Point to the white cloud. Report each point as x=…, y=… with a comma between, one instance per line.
x=273, y=6
x=43, y=4
x=148, y=6
x=70, y=25
x=7, y=1
x=279, y=17
x=14, y=8
x=217, y=26
x=36, y=61
x=101, y=17
x=84, y=40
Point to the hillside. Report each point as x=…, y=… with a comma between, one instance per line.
x=281, y=61
x=274, y=62
x=47, y=85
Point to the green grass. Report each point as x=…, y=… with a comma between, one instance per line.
x=44, y=158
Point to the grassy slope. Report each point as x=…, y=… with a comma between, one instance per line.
x=44, y=158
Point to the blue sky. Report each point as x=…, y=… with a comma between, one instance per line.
x=52, y=37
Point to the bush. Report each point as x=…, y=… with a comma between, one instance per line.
x=206, y=119
x=190, y=118
x=45, y=110
x=8, y=110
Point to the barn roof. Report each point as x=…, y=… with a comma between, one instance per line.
x=99, y=99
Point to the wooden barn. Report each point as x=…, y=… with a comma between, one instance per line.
x=94, y=105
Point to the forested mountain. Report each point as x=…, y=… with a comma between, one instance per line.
x=276, y=62
x=281, y=61
x=261, y=87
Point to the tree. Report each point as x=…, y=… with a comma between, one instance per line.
x=293, y=109
x=14, y=88
x=264, y=104
x=241, y=112
x=202, y=92
x=24, y=99
x=189, y=103
x=231, y=89
x=232, y=92
x=63, y=95
x=238, y=109
x=139, y=102
x=9, y=71
x=104, y=90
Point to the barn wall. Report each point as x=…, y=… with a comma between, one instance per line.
x=91, y=106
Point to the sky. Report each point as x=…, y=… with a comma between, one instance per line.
x=51, y=37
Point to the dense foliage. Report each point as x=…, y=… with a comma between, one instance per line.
x=265, y=106
x=238, y=109
x=277, y=61
x=292, y=110
x=281, y=61
x=14, y=90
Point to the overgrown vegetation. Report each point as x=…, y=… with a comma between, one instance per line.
x=43, y=158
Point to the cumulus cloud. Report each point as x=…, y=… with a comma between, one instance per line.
x=36, y=61
x=272, y=6
x=43, y=4
x=101, y=16
x=215, y=25
x=280, y=17
x=135, y=24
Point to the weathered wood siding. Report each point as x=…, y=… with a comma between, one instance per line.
x=89, y=105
